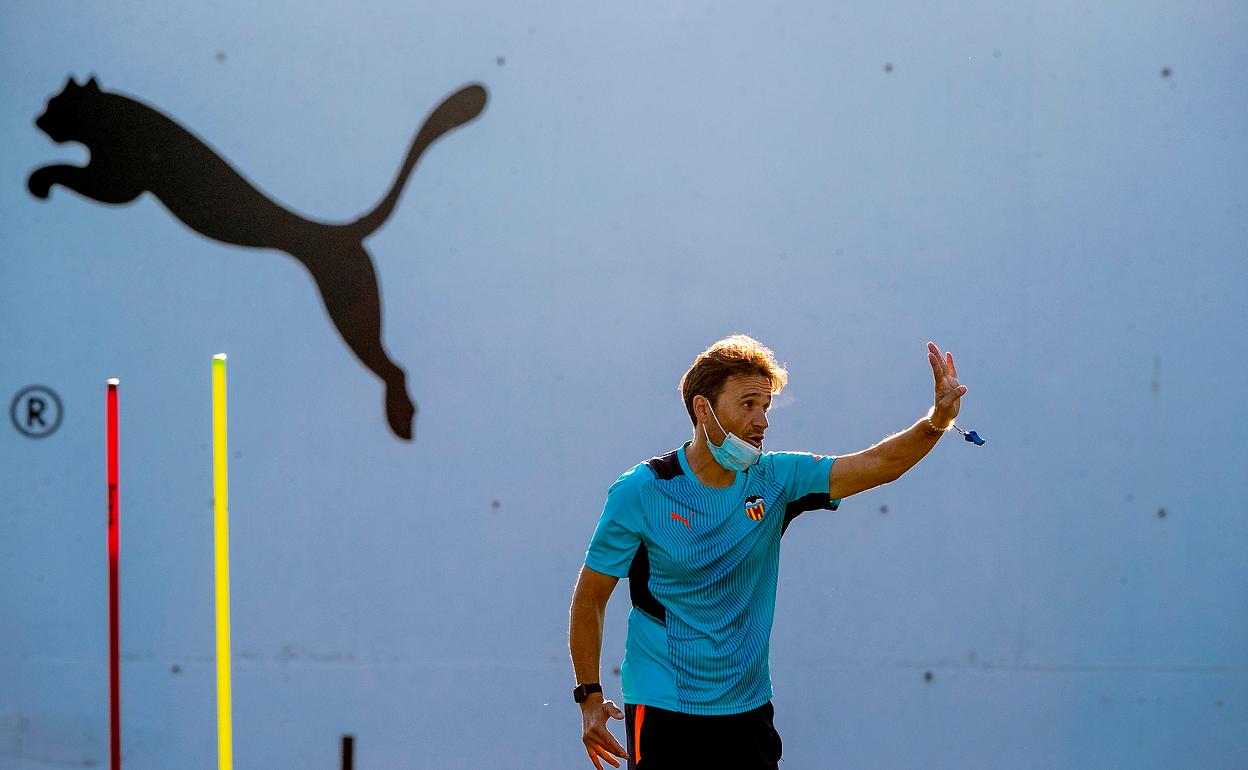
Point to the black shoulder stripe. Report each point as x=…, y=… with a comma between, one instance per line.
x=811, y=502
x=666, y=466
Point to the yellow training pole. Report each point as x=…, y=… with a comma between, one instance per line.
x=221, y=508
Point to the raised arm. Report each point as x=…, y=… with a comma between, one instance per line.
x=891, y=458
x=589, y=606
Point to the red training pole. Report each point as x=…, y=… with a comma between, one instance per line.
x=114, y=548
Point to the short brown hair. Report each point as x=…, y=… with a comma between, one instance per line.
x=730, y=356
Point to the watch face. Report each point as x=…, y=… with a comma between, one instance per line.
x=582, y=691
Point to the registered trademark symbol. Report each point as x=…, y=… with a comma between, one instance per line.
x=36, y=411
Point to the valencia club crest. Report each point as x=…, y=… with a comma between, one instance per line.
x=754, y=508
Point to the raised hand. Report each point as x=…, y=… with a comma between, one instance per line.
x=949, y=391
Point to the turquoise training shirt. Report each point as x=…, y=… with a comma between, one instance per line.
x=702, y=565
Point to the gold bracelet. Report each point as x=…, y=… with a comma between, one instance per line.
x=931, y=429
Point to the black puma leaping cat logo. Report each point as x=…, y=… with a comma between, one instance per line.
x=136, y=149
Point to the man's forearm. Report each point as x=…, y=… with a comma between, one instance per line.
x=902, y=451
x=585, y=639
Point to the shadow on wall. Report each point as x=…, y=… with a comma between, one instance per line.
x=136, y=149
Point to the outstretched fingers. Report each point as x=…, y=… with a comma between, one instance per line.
x=595, y=752
x=605, y=755
x=599, y=748
x=942, y=363
x=934, y=358
x=606, y=742
x=593, y=756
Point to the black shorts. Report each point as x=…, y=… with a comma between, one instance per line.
x=659, y=739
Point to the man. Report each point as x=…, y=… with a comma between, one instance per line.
x=697, y=532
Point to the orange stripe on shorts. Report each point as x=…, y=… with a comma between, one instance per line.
x=640, y=717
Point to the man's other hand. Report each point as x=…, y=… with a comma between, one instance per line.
x=599, y=742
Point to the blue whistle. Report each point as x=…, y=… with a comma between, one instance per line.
x=971, y=436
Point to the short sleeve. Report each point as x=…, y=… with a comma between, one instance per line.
x=618, y=534
x=804, y=474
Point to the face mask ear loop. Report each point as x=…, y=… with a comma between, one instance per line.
x=717, y=423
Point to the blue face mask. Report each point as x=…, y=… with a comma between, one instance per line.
x=735, y=454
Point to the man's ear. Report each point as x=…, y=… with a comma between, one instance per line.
x=701, y=408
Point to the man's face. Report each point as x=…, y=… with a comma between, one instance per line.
x=742, y=409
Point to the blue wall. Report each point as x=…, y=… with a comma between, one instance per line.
x=1020, y=183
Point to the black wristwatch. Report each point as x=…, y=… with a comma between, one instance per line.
x=582, y=691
